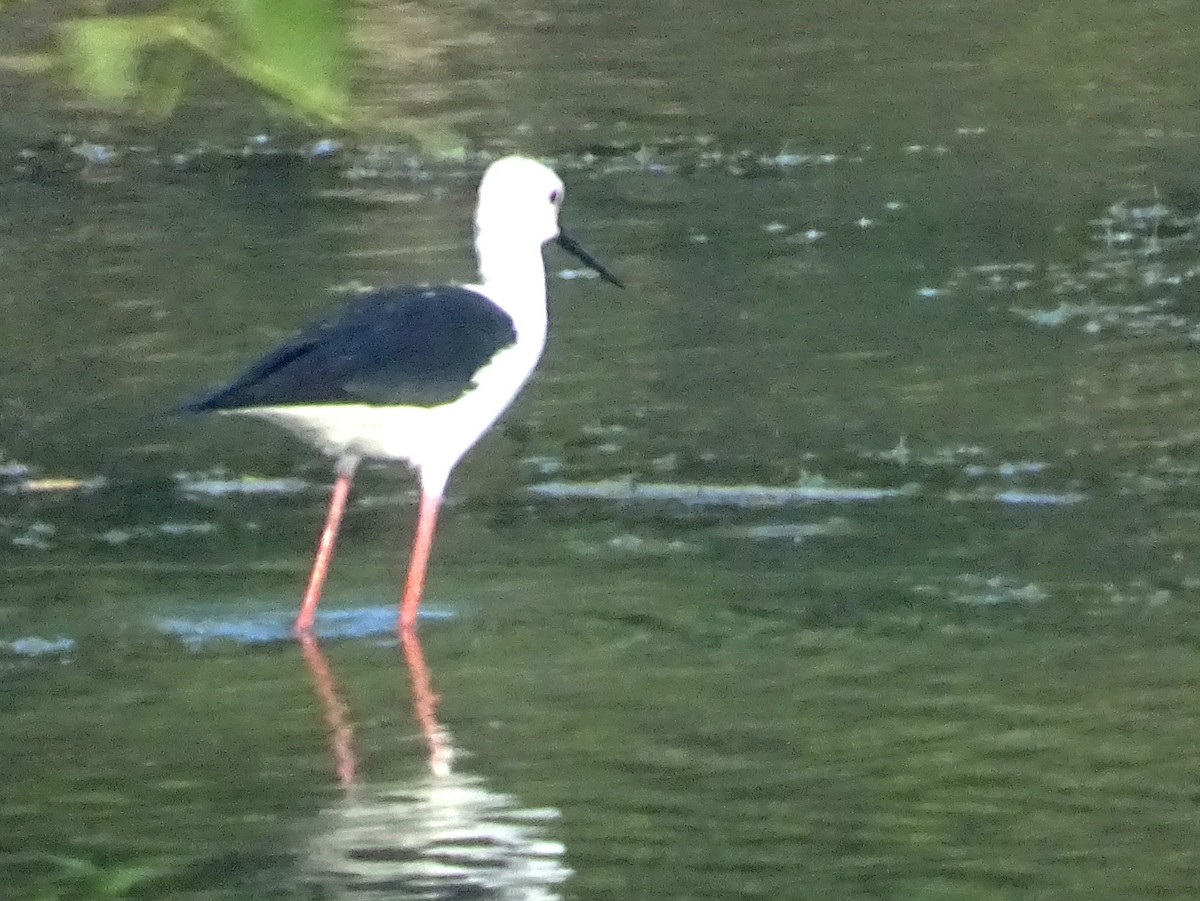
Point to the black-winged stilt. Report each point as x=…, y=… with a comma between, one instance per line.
x=417, y=373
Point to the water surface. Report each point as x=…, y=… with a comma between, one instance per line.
x=849, y=553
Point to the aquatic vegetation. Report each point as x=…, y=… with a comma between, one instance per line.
x=79, y=878
x=295, y=52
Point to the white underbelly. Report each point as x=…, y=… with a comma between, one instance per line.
x=431, y=439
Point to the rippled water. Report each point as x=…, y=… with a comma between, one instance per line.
x=849, y=553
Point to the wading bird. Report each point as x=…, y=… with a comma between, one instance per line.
x=417, y=374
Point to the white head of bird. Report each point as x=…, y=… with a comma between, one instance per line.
x=519, y=199
x=516, y=214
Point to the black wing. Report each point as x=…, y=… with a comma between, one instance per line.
x=411, y=346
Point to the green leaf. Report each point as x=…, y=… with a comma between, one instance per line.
x=296, y=50
x=103, y=56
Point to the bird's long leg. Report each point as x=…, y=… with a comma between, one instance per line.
x=333, y=519
x=418, y=561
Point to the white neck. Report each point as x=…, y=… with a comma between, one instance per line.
x=513, y=274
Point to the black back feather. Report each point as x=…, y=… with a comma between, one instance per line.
x=411, y=346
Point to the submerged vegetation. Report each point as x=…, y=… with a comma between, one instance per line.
x=81, y=879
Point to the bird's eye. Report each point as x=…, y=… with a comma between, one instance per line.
x=555, y=196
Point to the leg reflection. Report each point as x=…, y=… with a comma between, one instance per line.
x=436, y=834
x=425, y=704
x=337, y=714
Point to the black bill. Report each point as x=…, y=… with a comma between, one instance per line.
x=569, y=245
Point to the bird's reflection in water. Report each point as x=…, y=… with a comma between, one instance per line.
x=440, y=836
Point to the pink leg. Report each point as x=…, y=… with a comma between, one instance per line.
x=419, y=560
x=333, y=519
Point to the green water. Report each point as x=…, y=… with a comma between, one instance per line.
x=849, y=553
